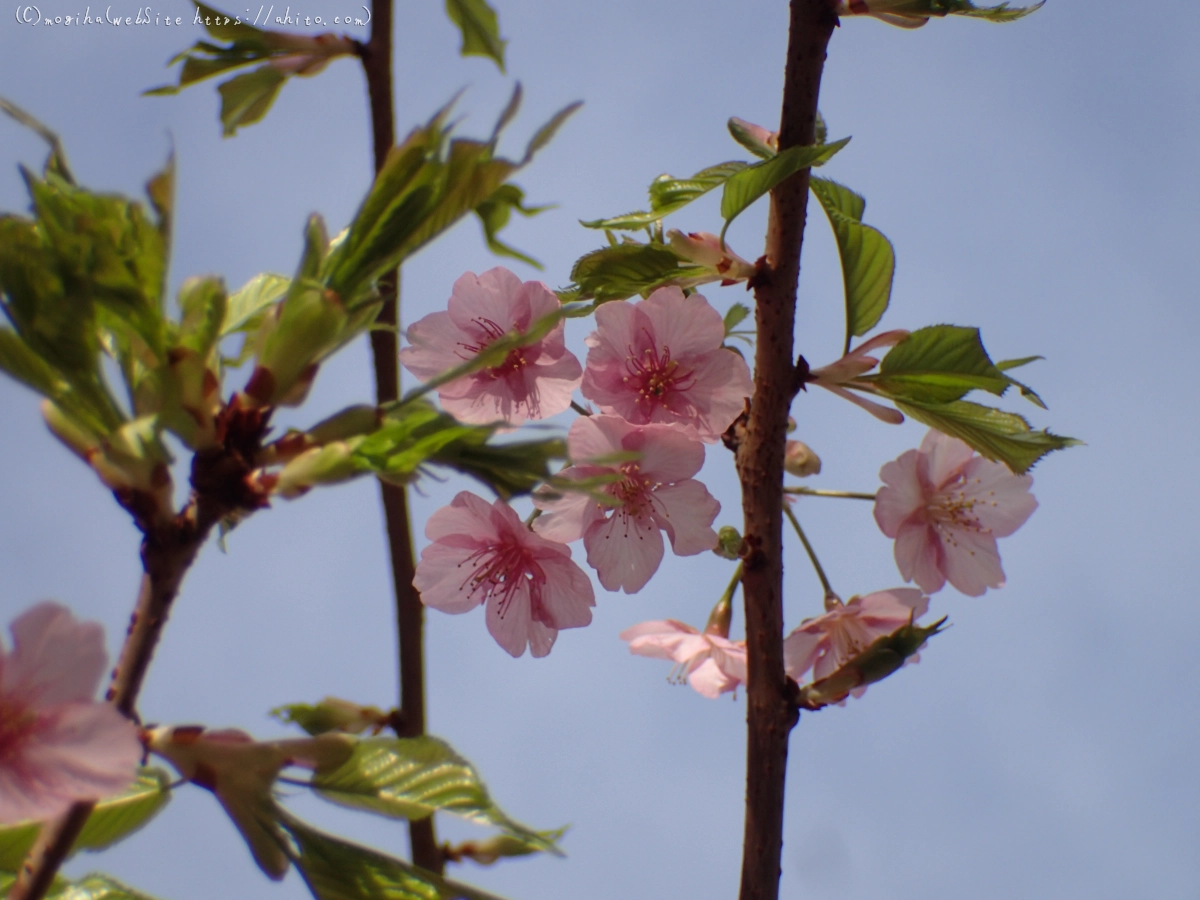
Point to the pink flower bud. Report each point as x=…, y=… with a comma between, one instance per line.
x=800, y=460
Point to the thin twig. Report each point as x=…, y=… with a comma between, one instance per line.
x=808, y=548
x=820, y=492
x=376, y=57
x=770, y=714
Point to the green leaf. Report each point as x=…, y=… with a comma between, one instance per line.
x=1001, y=436
x=246, y=98
x=625, y=270
x=669, y=194
x=748, y=185
x=112, y=820
x=938, y=364
x=545, y=134
x=494, y=213
x=246, y=307
x=411, y=778
x=480, y=30
x=56, y=162
x=1026, y=391
x=335, y=869
x=868, y=261
x=736, y=315
x=95, y=886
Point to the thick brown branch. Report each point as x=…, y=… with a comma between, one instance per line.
x=771, y=713
x=410, y=614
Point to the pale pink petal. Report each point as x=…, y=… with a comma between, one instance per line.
x=1002, y=500
x=624, y=551
x=433, y=342
x=567, y=517
x=467, y=514
x=495, y=296
x=541, y=639
x=443, y=579
x=568, y=597
x=667, y=453
x=664, y=627
x=596, y=437
x=896, y=605
x=800, y=649
x=685, y=325
x=943, y=457
x=509, y=622
x=55, y=658
x=972, y=562
x=919, y=556
x=878, y=410
x=902, y=495
x=686, y=511
x=730, y=656
x=710, y=681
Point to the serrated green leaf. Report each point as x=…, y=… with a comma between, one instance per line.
x=412, y=778
x=112, y=820
x=1026, y=391
x=246, y=98
x=868, y=260
x=1001, y=436
x=736, y=315
x=669, y=194
x=480, y=29
x=748, y=185
x=203, y=309
x=335, y=869
x=625, y=270
x=245, y=307
x=938, y=364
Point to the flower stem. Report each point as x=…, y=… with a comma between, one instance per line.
x=376, y=56
x=770, y=711
x=582, y=410
x=818, y=492
x=812, y=554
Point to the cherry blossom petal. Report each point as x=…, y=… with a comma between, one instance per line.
x=685, y=324
x=568, y=516
x=55, y=658
x=570, y=604
x=919, y=556
x=667, y=454
x=1002, y=500
x=972, y=563
x=902, y=495
x=509, y=623
x=942, y=456
x=624, y=551
x=496, y=295
x=710, y=681
x=686, y=511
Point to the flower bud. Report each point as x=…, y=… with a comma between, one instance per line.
x=320, y=465
x=800, y=460
x=333, y=714
x=706, y=250
x=729, y=542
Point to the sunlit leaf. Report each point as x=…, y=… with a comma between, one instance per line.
x=998, y=435
x=748, y=185
x=626, y=270
x=938, y=364
x=412, y=778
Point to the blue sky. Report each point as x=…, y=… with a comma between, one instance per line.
x=1037, y=180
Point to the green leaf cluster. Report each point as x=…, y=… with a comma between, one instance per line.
x=95, y=886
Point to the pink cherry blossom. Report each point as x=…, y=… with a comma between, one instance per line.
x=837, y=376
x=57, y=743
x=654, y=493
x=945, y=507
x=483, y=553
x=662, y=361
x=828, y=642
x=533, y=382
x=712, y=664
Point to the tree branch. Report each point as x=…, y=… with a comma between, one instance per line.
x=376, y=57
x=771, y=713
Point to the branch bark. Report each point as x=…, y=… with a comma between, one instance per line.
x=376, y=57
x=771, y=711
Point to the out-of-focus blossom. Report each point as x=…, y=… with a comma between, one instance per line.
x=711, y=663
x=57, y=743
x=837, y=375
x=827, y=642
x=241, y=772
x=915, y=13
x=532, y=382
x=704, y=249
x=662, y=361
x=945, y=506
x=482, y=553
x=800, y=460
x=653, y=493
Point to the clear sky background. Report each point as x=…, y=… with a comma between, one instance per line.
x=1038, y=180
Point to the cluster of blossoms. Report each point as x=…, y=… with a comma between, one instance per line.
x=665, y=386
